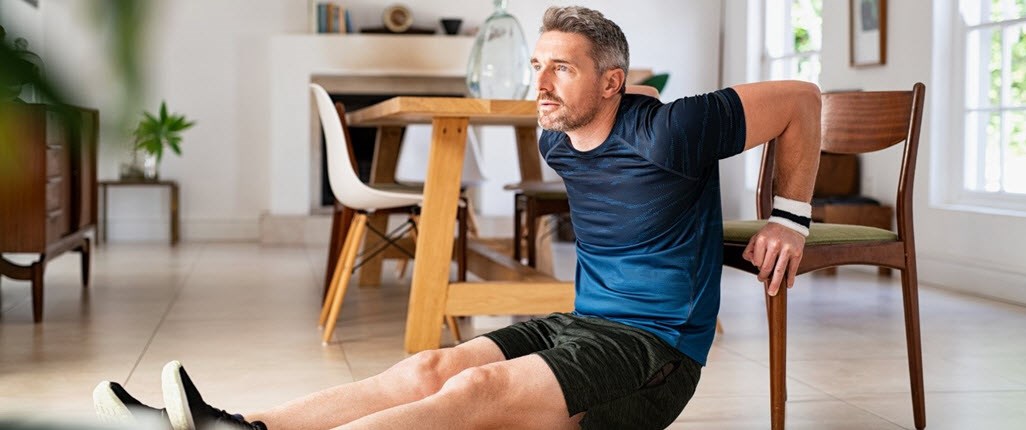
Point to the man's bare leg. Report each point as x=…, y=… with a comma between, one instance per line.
x=412, y=379
x=522, y=393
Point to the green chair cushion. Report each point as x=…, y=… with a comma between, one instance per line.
x=819, y=234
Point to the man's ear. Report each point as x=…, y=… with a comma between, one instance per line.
x=614, y=80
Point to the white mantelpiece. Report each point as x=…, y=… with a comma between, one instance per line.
x=298, y=60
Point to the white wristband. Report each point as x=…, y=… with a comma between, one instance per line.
x=792, y=214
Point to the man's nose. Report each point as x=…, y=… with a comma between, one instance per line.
x=543, y=80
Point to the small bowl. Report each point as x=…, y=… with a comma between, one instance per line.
x=451, y=25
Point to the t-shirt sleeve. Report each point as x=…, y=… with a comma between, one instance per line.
x=702, y=130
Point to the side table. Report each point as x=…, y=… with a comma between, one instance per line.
x=173, y=191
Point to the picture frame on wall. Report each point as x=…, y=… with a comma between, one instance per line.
x=868, y=35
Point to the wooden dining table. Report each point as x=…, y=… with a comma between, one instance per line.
x=432, y=295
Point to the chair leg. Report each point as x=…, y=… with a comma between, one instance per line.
x=518, y=226
x=349, y=252
x=910, y=295
x=336, y=273
x=777, y=307
x=370, y=270
x=338, y=234
x=532, y=233
x=85, y=249
x=719, y=327
x=454, y=328
x=403, y=264
x=462, y=216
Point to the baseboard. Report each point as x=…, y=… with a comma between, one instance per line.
x=139, y=230
x=973, y=277
x=295, y=229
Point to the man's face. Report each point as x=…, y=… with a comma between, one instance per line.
x=569, y=87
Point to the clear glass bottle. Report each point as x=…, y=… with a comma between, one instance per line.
x=499, y=64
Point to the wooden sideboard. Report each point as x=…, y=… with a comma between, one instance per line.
x=47, y=188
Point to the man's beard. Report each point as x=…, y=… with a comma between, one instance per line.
x=565, y=118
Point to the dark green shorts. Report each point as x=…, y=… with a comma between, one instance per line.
x=621, y=377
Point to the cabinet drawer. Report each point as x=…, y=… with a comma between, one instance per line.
x=54, y=194
x=56, y=131
x=54, y=161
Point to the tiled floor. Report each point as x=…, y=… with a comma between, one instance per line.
x=242, y=318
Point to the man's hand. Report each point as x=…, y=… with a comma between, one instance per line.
x=776, y=250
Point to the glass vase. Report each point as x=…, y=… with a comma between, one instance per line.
x=499, y=64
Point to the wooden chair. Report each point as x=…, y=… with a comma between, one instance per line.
x=531, y=201
x=853, y=122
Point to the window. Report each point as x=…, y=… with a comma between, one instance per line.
x=794, y=35
x=994, y=162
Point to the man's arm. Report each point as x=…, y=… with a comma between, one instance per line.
x=790, y=112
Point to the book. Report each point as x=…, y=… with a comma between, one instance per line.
x=322, y=17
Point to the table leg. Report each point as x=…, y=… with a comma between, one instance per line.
x=174, y=215
x=527, y=153
x=435, y=235
x=386, y=157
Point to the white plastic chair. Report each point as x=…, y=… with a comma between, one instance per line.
x=351, y=192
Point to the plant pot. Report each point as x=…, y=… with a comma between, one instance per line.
x=143, y=166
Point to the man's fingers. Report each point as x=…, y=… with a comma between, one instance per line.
x=779, y=270
x=759, y=251
x=747, y=253
x=769, y=260
x=792, y=269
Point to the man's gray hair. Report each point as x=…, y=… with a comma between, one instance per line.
x=608, y=44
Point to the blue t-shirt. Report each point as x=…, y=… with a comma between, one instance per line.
x=646, y=210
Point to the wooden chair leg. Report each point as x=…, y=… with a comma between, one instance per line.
x=910, y=295
x=471, y=219
x=454, y=328
x=518, y=227
x=719, y=327
x=532, y=233
x=336, y=272
x=370, y=270
x=403, y=264
x=777, y=306
x=350, y=251
x=462, y=216
x=338, y=234
x=85, y=250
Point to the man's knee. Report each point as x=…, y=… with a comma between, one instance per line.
x=478, y=382
x=427, y=371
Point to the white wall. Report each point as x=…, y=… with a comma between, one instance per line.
x=209, y=60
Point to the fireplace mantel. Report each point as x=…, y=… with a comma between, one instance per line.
x=381, y=64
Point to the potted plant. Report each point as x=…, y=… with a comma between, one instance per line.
x=152, y=135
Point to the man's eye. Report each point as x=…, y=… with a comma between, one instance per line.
x=536, y=67
x=562, y=68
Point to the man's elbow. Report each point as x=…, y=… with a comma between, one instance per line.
x=809, y=96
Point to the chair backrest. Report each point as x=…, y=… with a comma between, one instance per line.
x=341, y=171
x=860, y=122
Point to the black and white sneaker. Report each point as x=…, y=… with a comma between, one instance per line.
x=187, y=410
x=115, y=406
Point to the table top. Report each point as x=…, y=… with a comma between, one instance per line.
x=421, y=110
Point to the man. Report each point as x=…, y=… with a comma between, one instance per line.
x=644, y=193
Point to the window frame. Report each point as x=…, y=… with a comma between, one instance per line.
x=956, y=146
